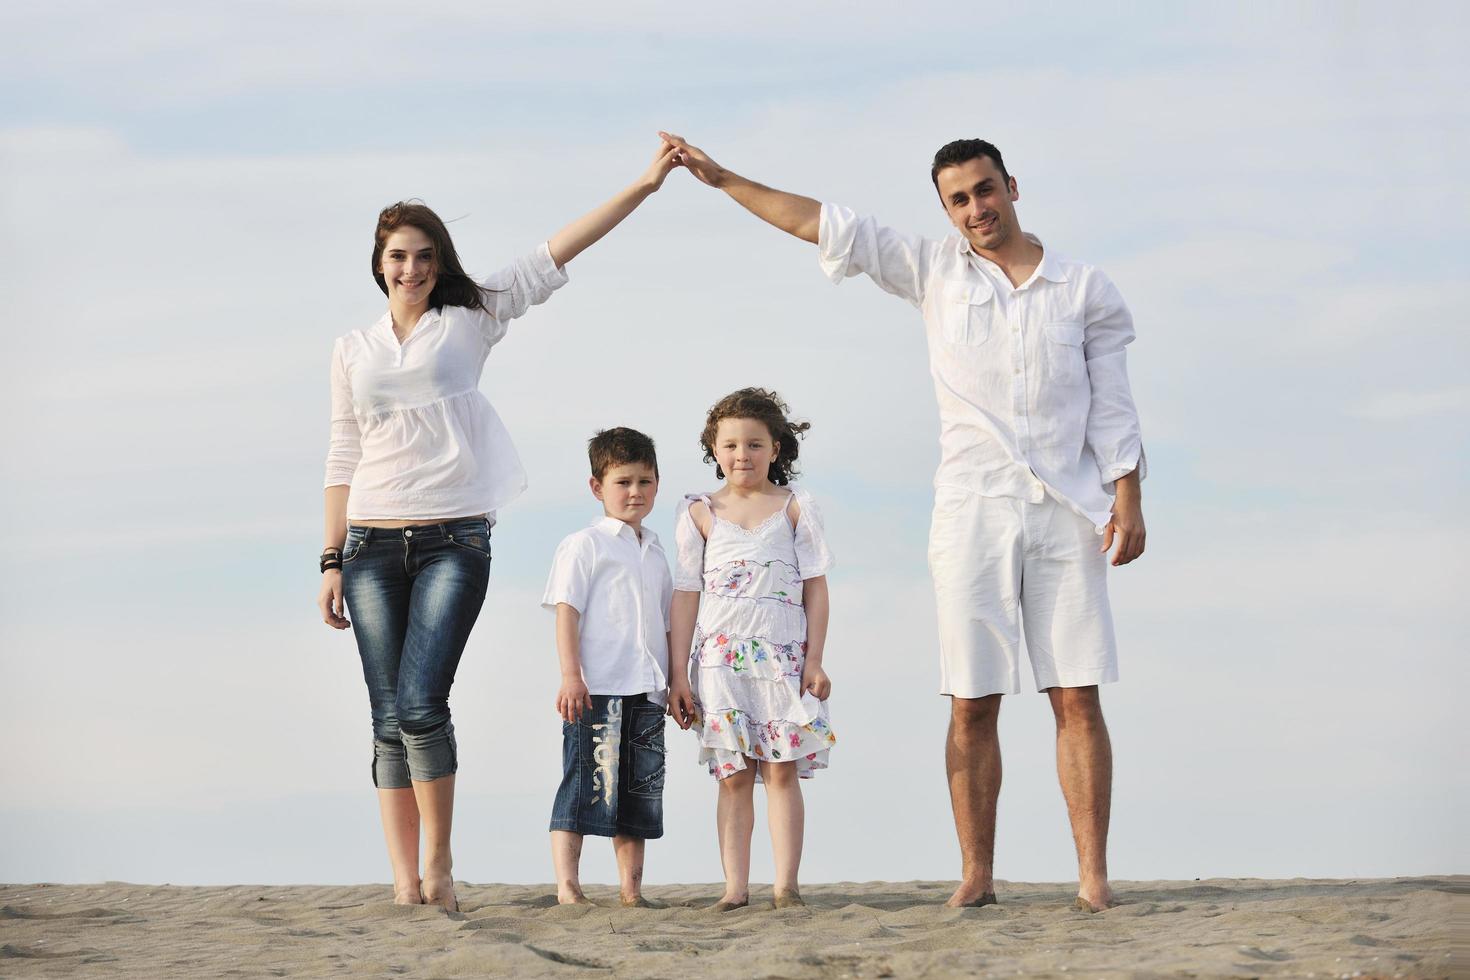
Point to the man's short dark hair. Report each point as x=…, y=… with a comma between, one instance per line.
x=619, y=447
x=956, y=153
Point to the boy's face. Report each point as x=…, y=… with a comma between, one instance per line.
x=626, y=492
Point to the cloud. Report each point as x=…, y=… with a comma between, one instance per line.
x=1398, y=405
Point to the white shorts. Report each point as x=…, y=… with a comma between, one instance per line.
x=999, y=561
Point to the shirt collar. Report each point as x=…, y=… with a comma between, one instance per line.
x=1049, y=268
x=385, y=323
x=613, y=528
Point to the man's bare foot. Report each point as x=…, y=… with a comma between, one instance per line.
x=438, y=889
x=408, y=895
x=972, y=896
x=788, y=900
x=1094, y=899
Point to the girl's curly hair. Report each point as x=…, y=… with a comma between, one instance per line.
x=767, y=408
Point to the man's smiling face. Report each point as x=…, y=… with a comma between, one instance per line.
x=980, y=202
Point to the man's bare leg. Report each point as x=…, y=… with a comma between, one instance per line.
x=566, y=859
x=1085, y=768
x=972, y=761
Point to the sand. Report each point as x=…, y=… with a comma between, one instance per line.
x=1390, y=927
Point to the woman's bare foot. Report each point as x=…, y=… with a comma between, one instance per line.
x=789, y=900
x=438, y=889
x=972, y=895
x=408, y=894
x=639, y=902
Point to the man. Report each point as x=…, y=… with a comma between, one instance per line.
x=1041, y=459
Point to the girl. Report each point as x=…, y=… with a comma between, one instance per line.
x=751, y=600
x=419, y=462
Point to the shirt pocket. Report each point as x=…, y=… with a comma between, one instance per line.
x=964, y=318
x=1065, y=362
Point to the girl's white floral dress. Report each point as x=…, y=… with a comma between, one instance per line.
x=750, y=637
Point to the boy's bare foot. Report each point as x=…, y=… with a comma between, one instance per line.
x=571, y=895
x=972, y=895
x=438, y=889
x=789, y=900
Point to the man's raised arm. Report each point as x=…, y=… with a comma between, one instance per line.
x=792, y=213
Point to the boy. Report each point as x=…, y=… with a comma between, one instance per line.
x=610, y=588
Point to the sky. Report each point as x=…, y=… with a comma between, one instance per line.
x=187, y=195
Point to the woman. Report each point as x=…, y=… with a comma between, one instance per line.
x=419, y=462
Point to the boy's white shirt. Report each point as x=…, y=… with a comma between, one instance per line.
x=622, y=589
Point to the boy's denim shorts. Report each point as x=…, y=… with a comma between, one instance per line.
x=612, y=763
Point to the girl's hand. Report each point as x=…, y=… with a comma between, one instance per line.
x=666, y=159
x=681, y=704
x=572, y=699
x=815, y=679
x=329, y=600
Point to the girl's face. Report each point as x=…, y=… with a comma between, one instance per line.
x=410, y=267
x=744, y=449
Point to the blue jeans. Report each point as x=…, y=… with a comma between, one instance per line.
x=612, y=761
x=413, y=595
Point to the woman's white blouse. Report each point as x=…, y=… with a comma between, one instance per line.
x=411, y=433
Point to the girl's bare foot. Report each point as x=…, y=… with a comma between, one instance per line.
x=438, y=889
x=789, y=900
x=728, y=902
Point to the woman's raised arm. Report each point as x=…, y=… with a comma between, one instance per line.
x=572, y=240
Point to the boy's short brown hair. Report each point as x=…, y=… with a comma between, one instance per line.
x=618, y=447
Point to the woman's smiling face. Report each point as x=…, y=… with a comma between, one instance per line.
x=409, y=266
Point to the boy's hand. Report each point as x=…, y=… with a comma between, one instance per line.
x=572, y=700
x=815, y=679
x=681, y=704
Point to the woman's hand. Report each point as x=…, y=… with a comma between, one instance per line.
x=681, y=704
x=587, y=230
x=329, y=600
x=815, y=679
x=666, y=159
